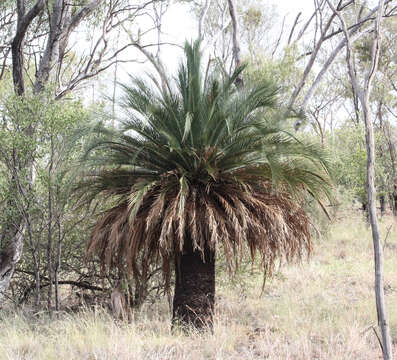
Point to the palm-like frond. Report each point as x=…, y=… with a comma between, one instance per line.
x=202, y=161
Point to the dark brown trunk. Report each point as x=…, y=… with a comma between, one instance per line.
x=365, y=212
x=194, y=295
x=382, y=205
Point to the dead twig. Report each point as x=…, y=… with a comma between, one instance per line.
x=387, y=234
x=377, y=336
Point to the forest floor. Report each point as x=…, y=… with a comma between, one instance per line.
x=321, y=309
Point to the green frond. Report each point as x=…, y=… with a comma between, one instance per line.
x=206, y=160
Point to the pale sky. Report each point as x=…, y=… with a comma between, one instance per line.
x=179, y=25
x=294, y=6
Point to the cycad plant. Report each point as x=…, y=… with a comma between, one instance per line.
x=198, y=166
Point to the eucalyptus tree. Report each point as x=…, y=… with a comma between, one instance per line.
x=194, y=168
x=363, y=91
x=308, y=45
x=38, y=52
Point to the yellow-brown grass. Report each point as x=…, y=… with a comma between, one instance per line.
x=324, y=309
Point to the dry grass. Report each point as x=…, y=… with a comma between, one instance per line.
x=318, y=310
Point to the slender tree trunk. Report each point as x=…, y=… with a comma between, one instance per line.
x=371, y=191
x=50, y=265
x=395, y=203
x=390, y=145
x=58, y=262
x=391, y=203
x=364, y=207
x=363, y=94
x=202, y=18
x=370, y=145
x=36, y=262
x=194, y=295
x=378, y=249
x=382, y=205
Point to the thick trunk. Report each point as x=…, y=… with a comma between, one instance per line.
x=25, y=18
x=51, y=52
x=236, y=43
x=194, y=295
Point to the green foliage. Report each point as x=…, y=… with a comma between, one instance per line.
x=206, y=131
x=31, y=123
x=202, y=159
x=35, y=130
x=283, y=70
x=348, y=144
x=253, y=16
x=351, y=157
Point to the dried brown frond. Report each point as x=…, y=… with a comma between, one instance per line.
x=267, y=223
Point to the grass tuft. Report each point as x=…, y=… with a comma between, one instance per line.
x=324, y=309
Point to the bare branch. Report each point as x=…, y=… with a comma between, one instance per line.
x=202, y=18
x=310, y=63
x=280, y=36
x=156, y=62
x=293, y=27
x=306, y=25
x=354, y=36
x=355, y=32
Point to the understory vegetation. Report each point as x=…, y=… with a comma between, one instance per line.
x=321, y=309
x=235, y=207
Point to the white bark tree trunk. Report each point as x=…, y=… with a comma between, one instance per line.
x=236, y=44
x=378, y=249
x=10, y=257
x=363, y=94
